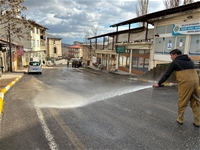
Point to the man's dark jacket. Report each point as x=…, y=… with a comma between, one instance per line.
x=182, y=62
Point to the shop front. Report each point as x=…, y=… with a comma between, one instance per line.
x=134, y=59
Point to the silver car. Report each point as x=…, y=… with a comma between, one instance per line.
x=35, y=67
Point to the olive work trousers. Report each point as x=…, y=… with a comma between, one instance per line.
x=185, y=91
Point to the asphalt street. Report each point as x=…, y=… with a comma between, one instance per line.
x=71, y=108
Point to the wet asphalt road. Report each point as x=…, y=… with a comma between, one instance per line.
x=66, y=108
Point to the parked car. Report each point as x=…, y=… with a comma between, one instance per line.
x=35, y=67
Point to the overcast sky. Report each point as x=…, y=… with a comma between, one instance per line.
x=68, y=19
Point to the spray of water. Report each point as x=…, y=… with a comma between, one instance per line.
x=62, y=99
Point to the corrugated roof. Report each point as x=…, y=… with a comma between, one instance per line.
x=75, y=46
x=119, y=32
x=161, y=13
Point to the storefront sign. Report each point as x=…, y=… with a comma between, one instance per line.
x=120, y=49
x=186, y=28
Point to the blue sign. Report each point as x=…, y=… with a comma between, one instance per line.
x=187, y=28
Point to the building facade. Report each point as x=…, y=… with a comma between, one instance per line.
x=75, y=51
x=35, y=48
x=16, y=55
x=180, y=30
x=138, y=50
x=54, y=48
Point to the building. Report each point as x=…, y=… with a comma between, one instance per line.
x=54, y=48
x=35, y=48
x=65, y=50
x=75, y=51
x=141, y=49
x=116, y=52
x=28, y=35
x=16, y=54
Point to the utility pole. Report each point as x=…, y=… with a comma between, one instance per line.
x=10, y=48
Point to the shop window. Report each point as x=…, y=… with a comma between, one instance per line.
x=124, y=61
x=180, y=43
x=159, y=45
x=195, y=45
x=141, y=64
x=135, y=51
x=112, y=56
x=169, y=44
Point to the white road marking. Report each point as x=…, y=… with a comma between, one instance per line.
x=48, y=135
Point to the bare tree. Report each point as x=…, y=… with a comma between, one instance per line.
x=187, y=2
x=141, y=9
x=86, y=36
x=12, y=27
x=175, y=3
x=94, y=29
x=171, y=3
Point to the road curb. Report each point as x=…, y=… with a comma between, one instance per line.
x=4, y=90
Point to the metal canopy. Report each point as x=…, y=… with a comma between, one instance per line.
x=119, y=32
x=170, y=11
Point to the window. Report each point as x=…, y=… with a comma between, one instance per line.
x=55, y=50
x=32, y=43
x=169, y=28
x=195, y=45
x=180, y=43
x=164, y=29
x=160, y=30
x=159, y=45
x=169, y=44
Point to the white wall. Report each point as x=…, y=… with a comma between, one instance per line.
x=180, y=18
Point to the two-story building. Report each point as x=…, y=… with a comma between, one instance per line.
x=75, y=51
x=54, y=47
x=35, y=48
x=141, y=49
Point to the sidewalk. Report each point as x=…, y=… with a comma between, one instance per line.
x=7, y=80
x=145, y=78
x=119, y=72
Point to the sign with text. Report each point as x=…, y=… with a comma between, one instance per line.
x=120, y=49
x=186, y=28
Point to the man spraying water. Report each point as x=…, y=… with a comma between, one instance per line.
x=188, y=84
